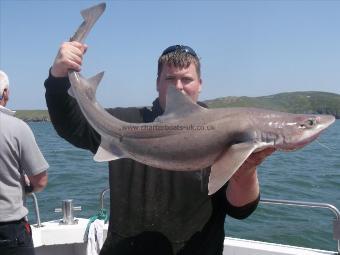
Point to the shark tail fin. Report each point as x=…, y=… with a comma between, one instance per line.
x=93, y=12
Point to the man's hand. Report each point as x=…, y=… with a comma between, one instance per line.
x=69, y=57
x=243, y=186
x=249, y=166
x=27, y=185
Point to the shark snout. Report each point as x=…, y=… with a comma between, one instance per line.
x=325, y=120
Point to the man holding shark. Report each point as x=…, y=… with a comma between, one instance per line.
x=154, y=211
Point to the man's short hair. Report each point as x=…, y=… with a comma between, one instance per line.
x=179, y=56
x=4, y=82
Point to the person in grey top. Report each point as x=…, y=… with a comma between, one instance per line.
x=22, y=165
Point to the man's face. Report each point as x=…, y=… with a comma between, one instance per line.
x=4, y=98
x=185, y=80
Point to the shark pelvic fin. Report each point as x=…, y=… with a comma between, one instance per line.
x=228, y=163
x=70, y=92
x=178, y=105
x=108, y=152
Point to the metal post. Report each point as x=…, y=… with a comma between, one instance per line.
x=101, y=198
x=36, y=209
x=67, y=209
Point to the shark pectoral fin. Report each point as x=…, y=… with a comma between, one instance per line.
x=108, y=152
x=227, y=164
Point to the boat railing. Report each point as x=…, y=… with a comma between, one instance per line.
x=332, y=208
x=101, y=198
x=36, y=209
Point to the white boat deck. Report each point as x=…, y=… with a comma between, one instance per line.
x=54, y=238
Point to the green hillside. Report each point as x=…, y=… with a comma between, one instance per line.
x=33, y=115
x=295, y=102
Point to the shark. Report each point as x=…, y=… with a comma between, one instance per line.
x=188, y=137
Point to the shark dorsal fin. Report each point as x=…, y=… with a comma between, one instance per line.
x=178, y=105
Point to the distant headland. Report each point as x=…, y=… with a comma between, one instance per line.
x=294, y=102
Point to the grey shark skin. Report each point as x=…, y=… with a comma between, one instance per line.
x=188, y=137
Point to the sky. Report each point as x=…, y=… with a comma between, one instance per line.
x=247, y=48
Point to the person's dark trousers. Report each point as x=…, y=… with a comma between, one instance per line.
x=16, y=238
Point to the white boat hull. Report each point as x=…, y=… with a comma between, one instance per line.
x=54, y=238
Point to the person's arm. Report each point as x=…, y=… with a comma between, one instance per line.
x=243, y=189
x=33, y=166
x=35, y=183
x=65, y=114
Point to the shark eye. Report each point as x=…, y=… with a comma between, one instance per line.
x=308, y=123
x=311, y=122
